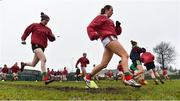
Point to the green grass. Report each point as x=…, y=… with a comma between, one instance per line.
x=109, y=90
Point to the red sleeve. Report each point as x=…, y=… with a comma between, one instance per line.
x=27, y=31
x=51, y=37
x=17, y=67
x=118, y=30
x=12, y=68
x=78, y=62
x=91, y=29
x=87, y=61
x=5, y=70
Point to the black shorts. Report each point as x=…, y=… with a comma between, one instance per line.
x=35, y=46
x=150, y=65
x=136, y=62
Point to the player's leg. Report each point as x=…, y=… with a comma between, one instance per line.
x=119, y=50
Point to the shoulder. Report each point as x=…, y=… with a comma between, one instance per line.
x=48, y=28
x=101, y=16
x=143, y=54
x=136, y=48
x=35, y=24
x=98, y=17
x=149, y=53
x=80, y=58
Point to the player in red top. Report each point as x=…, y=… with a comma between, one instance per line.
x=148, y=59
x=65, y=73
x=52, y=73
x=40, y=34
x=103, y=27
x=15, y=69
x=165, y=75
x=48, y=73
x=109, y=75
x=4, y=72
x=83, y=61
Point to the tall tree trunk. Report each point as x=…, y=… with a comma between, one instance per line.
x=162, y=61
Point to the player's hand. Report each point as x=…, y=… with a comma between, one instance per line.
x=96, y=37
x=118, y=23
x=23, y=42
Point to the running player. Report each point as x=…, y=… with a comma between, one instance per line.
x=39, y=38
x=102, y=27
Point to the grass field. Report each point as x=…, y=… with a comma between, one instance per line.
x=109, y=90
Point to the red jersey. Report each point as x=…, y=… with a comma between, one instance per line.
x=5, y=70
x=40, y=34
x=120, y=68
x=52, y=72
x=48, y=72
x=110, y=74
x=15, y=69
x=58, y=72
x=61, y=72
x=83, y=60
x=164, y=70
x=65, y=72
x=103, y=27
x=147, y=57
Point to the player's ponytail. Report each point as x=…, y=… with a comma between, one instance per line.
x=107, y=7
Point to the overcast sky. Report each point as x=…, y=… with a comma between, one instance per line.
x=146, y=21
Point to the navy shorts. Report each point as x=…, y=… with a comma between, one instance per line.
x=35, y=46
x=150, y=65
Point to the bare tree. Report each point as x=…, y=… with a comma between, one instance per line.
x=165, y=53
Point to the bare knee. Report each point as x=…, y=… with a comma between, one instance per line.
x=150, y=72
x=33, y=64
x=43, y=60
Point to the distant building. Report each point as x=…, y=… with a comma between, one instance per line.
x=30, y=75
x=102, y=72
x=26, y=75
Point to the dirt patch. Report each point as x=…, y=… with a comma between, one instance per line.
x=69, y=89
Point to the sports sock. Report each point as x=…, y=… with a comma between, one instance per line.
x=44, y=76
x=128, y=76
